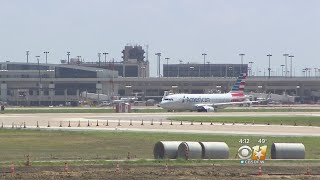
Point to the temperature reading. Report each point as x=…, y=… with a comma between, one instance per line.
x=262, y=141
x=244, y=141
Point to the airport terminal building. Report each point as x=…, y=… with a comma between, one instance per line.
x=54, y=84
x=203, y=70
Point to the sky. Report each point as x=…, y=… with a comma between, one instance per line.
x=179, y=29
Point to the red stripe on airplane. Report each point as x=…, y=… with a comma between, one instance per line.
x=237, y=95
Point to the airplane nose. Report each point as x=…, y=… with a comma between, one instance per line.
x=163, y=104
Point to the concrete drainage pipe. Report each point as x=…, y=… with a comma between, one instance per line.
x=190, y=150
x=287, y=151
x=166, y=149
x=214, y=150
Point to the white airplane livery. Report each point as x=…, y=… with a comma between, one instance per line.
x=207, y=102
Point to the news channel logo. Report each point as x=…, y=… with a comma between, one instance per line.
x=254, y=155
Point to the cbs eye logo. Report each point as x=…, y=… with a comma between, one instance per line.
x=255, y=153
x=245, y=152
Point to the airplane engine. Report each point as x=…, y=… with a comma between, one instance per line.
x=206, y=109
x=210, y=109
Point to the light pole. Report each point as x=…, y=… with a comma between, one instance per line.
x=269, y=69
x=286, y=64
x=40, y=86
x=167, y=66
x=113, y=76
x=304, y=71
x=241, y=55
x=99, y=56
x=251, y=63
x=105, y=58
x=204, y=64
x=27, y=53
x=79, y=59
x=46, y=52
x=291, y=56
x=282, y=69
x=158, y=70
x=68, y=54
x=309, y=69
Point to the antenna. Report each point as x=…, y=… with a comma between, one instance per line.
x=147, y=52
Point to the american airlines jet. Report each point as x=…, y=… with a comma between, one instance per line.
x=207, y=102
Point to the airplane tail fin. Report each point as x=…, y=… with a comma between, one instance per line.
x=238, y=87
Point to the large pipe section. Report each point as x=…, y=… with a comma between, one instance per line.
x=190, y=150
x=166, y=149
x=214, y=150
x=287, y=151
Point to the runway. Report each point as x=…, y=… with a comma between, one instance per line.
x=156, y=122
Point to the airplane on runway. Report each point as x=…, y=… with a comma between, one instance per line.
x=207, y=102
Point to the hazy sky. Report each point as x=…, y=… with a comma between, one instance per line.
x=179, y=29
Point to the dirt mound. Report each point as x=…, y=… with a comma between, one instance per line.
x=158, y=172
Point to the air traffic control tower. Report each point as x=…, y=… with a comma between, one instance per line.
x=133, y=63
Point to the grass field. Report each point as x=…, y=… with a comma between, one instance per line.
x=103, y=110
x=272, y=120
x=97, y=145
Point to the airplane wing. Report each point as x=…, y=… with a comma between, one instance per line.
x=212, y=107
x=234, y=103
x=226, y=103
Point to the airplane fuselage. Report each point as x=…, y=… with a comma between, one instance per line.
x=190, y=101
